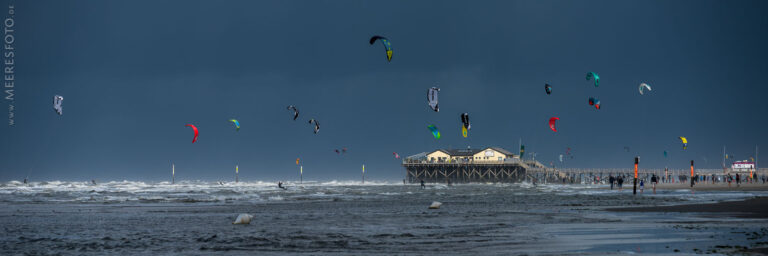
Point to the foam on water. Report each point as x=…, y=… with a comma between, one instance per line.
x=265, y=191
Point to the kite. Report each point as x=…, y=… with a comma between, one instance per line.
x=343, y=150
x=396, y=155
x=552, y=123
x=194, y=129
x=548, y=89
x=684, y=141
x=432, y=98
x=317, y=125
x=626, y=148
x=295, y=112
x=297, y=161
x=593, y=75
x=665, y=153
x=57, y=100
x=237, y=124
x=337, y=151
x=466, y=126
x=434, y=131
x=387, y=45
x=643, y=85
x=594, y=102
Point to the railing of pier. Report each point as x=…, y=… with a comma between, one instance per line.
x=423, y=161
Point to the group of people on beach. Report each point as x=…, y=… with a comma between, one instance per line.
x=618, y=182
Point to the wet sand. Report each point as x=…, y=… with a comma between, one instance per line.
x=701, y=187
x=750, y=208
x=712, y=187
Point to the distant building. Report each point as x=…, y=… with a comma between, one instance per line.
x=489, y=154
x=491, y=164
x=742, y=165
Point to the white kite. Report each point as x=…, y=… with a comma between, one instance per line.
x=643, y=85
x=57, y=104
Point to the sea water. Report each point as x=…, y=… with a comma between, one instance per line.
x=350, y=218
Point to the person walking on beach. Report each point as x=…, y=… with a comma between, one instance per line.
x=611, y=180
x=738, y=180
x=621, y=182
x=654, y=180
x=642, y=185
x=422, y=184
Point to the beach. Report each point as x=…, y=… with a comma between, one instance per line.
x=379, y=218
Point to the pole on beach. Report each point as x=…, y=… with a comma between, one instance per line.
x=634, y=187
x=363, y=174
x=692, y=173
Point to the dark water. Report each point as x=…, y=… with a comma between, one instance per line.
x=338, y=218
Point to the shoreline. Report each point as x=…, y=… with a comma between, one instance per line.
x=701, y=187
x=750, y=208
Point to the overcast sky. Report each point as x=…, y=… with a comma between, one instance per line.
x=133, y=73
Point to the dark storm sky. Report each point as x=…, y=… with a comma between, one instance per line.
x=133, y=73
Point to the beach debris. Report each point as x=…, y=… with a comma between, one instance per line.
x=435, y=205
x=684, y=141
x=432, y=98
x=194, y=129
x=548, y=89
x=593, y=75
x=317, y=125
x=237, y=124
x=243, y=218
x=552, y=121
x=465, y=124
x=643, y=85
x=57, y=100
x=387, y=45
x=434, y=131
x=295, y=111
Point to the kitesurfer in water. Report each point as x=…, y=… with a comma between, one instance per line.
x=280, y=185
x=422, y=184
